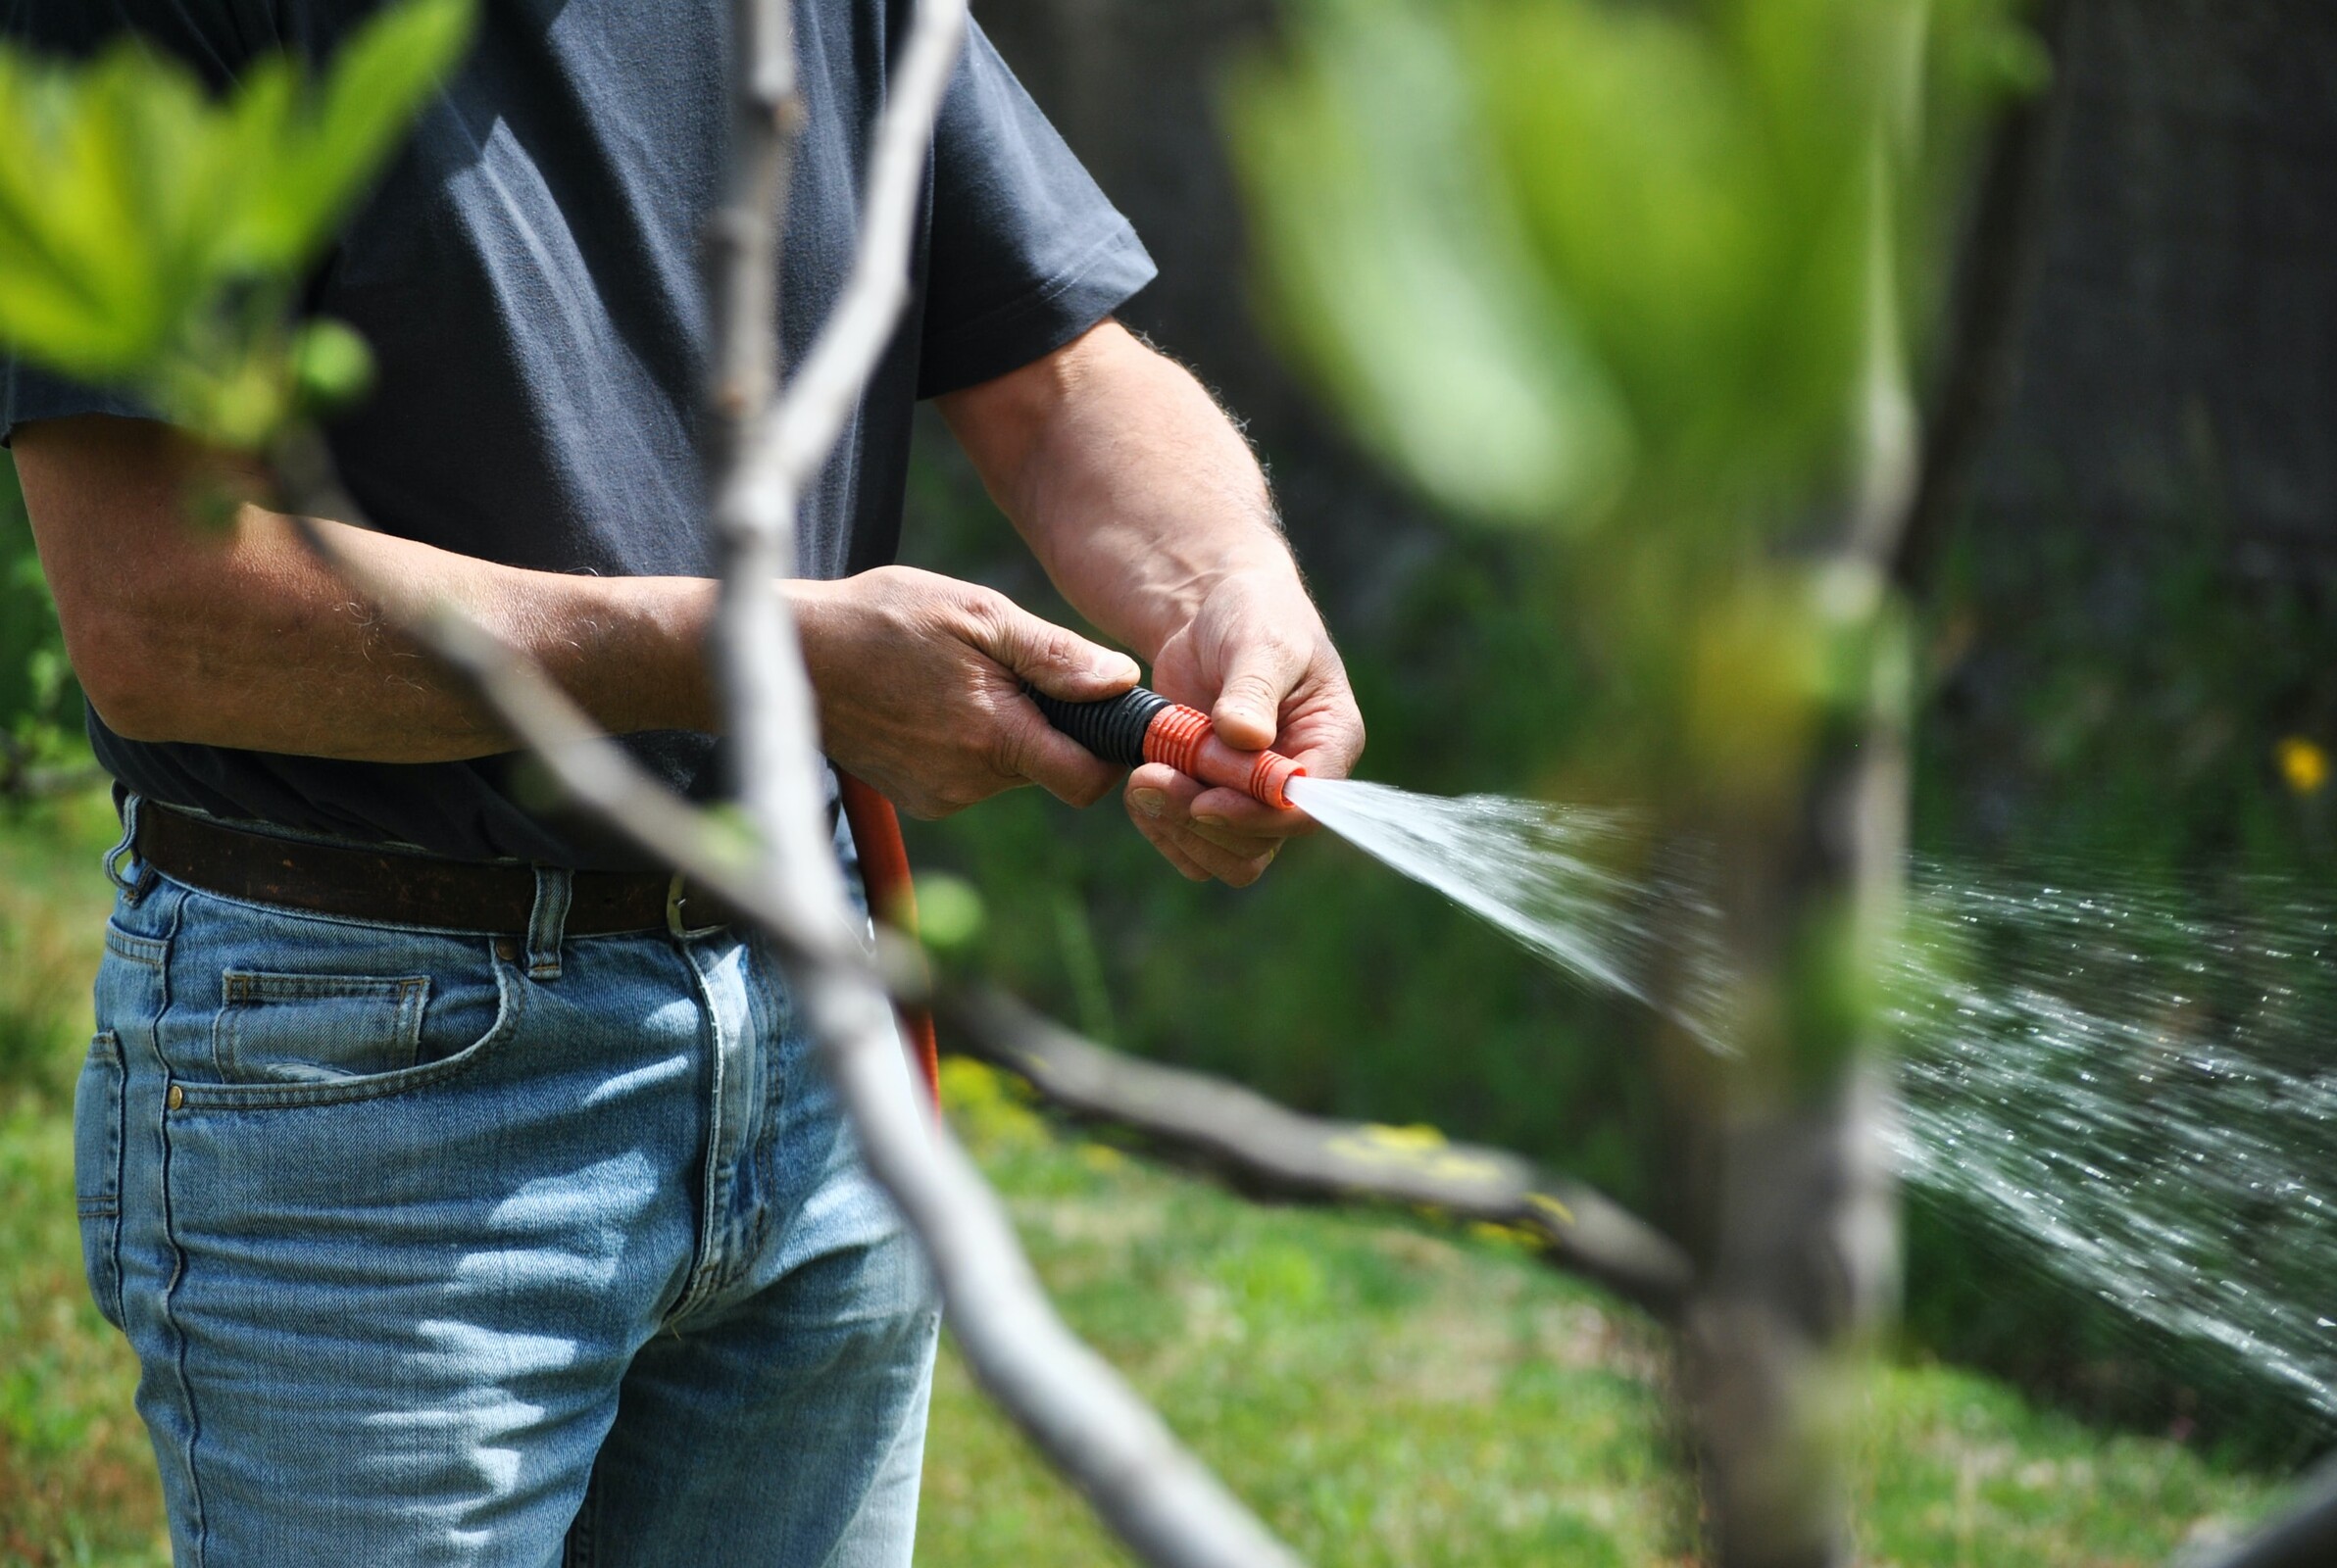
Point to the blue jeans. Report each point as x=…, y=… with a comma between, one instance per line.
x=442, y=1249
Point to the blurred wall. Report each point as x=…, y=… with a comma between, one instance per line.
x=2183, y=345
x=2146, y=601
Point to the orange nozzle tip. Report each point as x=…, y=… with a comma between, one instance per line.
x=1270, y=782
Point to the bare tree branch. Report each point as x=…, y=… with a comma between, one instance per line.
x=1995, y=279
x=1159, y=1499
x=767, y=699
x=800, y=432
x=2304, y=1536
x=1263, y=1146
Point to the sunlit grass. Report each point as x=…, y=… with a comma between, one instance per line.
x=1386, y=1393
x=1383, y=1392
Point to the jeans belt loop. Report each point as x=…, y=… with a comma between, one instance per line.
x=547, y=922
x=123, y=867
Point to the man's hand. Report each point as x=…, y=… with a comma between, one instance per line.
x=1255, y=659
x=919, y=680
x=1150, y=514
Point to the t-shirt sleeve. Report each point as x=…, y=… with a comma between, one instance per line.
x=212, y=38
x=1026, y=253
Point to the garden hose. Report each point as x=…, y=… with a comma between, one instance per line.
x=892, y=899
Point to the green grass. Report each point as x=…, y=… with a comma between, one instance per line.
x=76, y=1477
x=1384, y=1392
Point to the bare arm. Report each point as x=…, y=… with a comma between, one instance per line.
x=1135, y=491
x=1148, y=512
x=237, y=636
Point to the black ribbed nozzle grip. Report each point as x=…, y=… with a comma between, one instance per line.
x=1113, y=728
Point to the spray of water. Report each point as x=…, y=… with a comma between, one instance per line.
x=1575, y=886
x=2139, y=1092
x=2142, y=1092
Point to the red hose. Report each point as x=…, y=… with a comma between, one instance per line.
x=892, y=899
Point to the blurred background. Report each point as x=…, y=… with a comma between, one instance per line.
x=2126, y=692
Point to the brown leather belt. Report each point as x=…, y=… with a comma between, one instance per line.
x=387, y=887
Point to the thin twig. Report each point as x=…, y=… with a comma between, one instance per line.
x=1266, y=1147
x=801, y=431
x=1159, y=1499
x=2303, y=1536
x=763, y=698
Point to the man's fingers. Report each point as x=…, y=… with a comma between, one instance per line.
x=1161, y=801
x=1035, y=750
x=1248, y=711
x=1163, y=840
x=1158, y=794
x=1055, y=659
x=1228, y=818
x=1236, y=870
x=1225, y=811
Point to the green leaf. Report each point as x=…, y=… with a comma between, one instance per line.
x=377, y=84
x=151, y=236
x=78, y=286
x=1538, y=249
x=1401, y=276
x=949, y=911
x=332, y=365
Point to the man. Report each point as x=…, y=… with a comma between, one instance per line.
x=466, y=1195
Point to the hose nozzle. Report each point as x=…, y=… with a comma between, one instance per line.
x=1142, y=726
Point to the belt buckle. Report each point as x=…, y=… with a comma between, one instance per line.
x=678, y=910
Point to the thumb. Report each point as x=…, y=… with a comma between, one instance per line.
x=1055, y=659
x=1248, y=711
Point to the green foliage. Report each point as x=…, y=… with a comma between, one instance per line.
x=1402, y=279
x=38, y=697
x=1651, y=276
x=153, y=239
x=1552, y=254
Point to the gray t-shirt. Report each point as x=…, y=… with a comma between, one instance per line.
x=529, y=274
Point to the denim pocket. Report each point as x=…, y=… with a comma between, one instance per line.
x=316, y=1028
x=316, y=1012
x=97, y=1172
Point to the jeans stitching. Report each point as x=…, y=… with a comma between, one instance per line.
x=104, y=1259
x=173, y=1337
x=241, y=990
x=136, y=949
x=704, y=1281
x=512, y=994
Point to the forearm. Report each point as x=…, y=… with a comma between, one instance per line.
x=1131, y=486
x=1145, y=506
x=260, y=647
x=238, y=636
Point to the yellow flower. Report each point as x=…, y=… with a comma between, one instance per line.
x=2303, y=765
